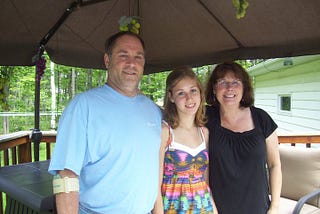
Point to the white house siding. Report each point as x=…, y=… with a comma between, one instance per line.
x=301, y=81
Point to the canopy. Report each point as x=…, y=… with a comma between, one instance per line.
x=176, y=32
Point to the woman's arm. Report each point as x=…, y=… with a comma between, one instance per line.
x=275, y=174
x=206, y=173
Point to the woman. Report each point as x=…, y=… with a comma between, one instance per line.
x=243, y=145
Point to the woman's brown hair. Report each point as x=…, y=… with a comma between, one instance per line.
x=239, y=72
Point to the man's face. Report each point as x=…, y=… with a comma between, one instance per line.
x=125, y=66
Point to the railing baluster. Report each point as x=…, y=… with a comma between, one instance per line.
x=14, y=155
x=48, y=149
x=6, y=157
x=24, y=153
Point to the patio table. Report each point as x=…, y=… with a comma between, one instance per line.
x=28, y=188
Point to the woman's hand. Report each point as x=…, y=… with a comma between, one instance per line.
x=272, y=211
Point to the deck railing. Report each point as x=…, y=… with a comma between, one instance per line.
x=307, y=139
x=17, y=147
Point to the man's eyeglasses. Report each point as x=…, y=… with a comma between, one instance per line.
x=225, y=84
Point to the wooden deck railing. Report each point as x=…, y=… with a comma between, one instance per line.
x=17, y=147
x=307, y=139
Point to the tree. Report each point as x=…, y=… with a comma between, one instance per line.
x=61, y=83
x=5, y=73
x=153, y=86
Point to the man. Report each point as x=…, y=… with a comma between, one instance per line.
x=108, y=140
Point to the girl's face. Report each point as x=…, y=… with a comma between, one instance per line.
x=229, y=90
x=186, y=95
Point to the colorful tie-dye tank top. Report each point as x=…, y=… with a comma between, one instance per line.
x=184, y=189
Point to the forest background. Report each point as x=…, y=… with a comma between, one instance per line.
x=59, y=84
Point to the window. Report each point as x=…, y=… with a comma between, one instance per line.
x=285, y=103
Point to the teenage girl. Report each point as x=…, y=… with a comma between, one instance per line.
x=183, y=154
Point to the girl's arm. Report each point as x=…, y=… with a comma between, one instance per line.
x=158, y=207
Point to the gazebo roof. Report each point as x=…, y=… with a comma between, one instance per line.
x=176, y=32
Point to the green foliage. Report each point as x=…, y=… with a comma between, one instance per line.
x=21, y=87
x=5, y=73
x=249, y=63
x=68, y=81
x=153, y=85
x=21, y=94
x=203, y=73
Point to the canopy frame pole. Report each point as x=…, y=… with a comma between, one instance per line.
x=240, y=45
x=65, y=15
x=36, y=134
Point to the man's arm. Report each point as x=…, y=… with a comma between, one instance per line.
x=67, y=203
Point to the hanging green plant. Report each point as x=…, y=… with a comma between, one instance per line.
x=130, y=23
x=241, y=7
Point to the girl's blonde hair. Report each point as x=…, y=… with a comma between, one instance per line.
x=170, y=109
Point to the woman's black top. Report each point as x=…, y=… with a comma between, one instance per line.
x=238, y=164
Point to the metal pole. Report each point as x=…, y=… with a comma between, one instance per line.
x=36, y=134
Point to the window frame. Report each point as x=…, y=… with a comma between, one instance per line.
x=281, y=110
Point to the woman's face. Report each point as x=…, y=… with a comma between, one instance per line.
x=229, y=90
x=186, y=96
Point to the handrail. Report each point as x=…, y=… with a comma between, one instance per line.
x=293, y=139
x=16, y=147
x=20, y=144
